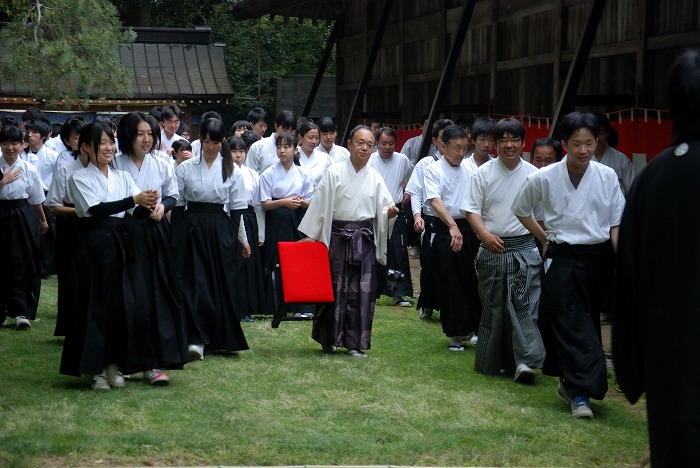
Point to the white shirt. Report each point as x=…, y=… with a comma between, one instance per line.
x=45, y=161
x=276, y=183
x=395, y=170
x=251, y=180
x=346, y=195
x=582, y=215
x=491, y=193
x=416, y=186
x=56, y=144
x=27, y=187
x=262, y=154
x=621, y=164
x=59, y=193
x=315, y=164
x=447, y=183
x=337, y=153
x=167, y=143
x=155, y=174
x=89, y=187
x=64, y=158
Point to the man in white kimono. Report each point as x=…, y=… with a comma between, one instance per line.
x=423, y=216
x=395, y=169
x=351, y=213
x=609, y=156
x=263, y=153
x=451, y=248
x=508, y=262
x=170, y=118
x=582, y=205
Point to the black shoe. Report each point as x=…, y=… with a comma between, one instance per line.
x=247, y=318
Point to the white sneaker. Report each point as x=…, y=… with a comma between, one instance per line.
x=356, y=353
x=523, y=374
x=400, y=302
x=196, y=352
x=99, y=382
x=114, y=377
x=425, y=313
x=22, y=323
x=156, y=377
x=474, y=340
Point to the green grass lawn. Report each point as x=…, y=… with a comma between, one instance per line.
x=284, y=402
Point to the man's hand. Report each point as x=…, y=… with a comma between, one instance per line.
x=493, y=243
x=393, y=211
x=418, y=223
x=43, y=228
x=246, y=250
x=456, y=242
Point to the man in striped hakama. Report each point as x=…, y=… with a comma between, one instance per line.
x=508, y=262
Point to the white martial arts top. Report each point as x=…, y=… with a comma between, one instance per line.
x=395, y=170
x=262, y=154
x=622, y=166
x=449, y=184
x=251, y=180
x=411, y=148
x=197, y=182
x=155, y=174
x=315, y=164
x=582, y=215
x=64, y=158
x=56, y=144
x=276, y=183
x=45, y=161
x=167, y=143
x=89, y=187
x=346, y=195
x=416, y=186
x=59, y=193
x=337, y=153
x=491, y=193
x=28, y=186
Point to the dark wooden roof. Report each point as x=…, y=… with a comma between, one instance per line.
x=167, y=63
x=327, y=10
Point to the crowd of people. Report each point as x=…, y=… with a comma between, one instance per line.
x=162, y=246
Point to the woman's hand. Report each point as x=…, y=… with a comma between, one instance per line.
x=147, y=199
x=158, y=212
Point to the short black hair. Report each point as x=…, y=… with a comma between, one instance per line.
x=327, y=124
x=256, y=115
x=241, y=124
x=576, y=121
x=482, y=126
x=168, y=112
x=11, y=134
x=439, y=125
x=286, y=119
x=38, y=126
x=509, y=125
x=70, y=126
x=249, y=137
x=129, y=129
x=684, y=94
x=548, y=142
x=33, y=113
x=388, y=131
x=181, y=144
x=453, y=132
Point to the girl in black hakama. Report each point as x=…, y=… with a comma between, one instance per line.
x=205, y=241
x=108, y=331
x=166, y=346
x=20, y=275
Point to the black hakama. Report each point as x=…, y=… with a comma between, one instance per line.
x=20, y=275
x=66, y=234
x=573, y=291
x=348, y=324
x=281, y=225
x=428, y=296
x=251, y=283
x=455, y=280
x=166, y=345
x=204, y=245
x=397, y=260
x=107, y=325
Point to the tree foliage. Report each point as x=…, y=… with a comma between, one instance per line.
x=66, y=50
x=257, y=51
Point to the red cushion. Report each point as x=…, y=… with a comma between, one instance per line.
x=306, y=272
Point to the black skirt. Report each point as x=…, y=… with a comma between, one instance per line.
x=204, y=245
x=166, y=344
x=20, y=275
x=66, y=234
x=110, y=320
x=250, y=286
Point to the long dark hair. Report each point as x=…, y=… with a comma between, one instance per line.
x=91, y=134
x=214, y=129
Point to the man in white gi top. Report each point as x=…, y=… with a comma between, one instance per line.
x=609, y=156
x=395, y=169
x=423, y=215
x=508, y=262
x=170, y=119
x=351, y=213
x=263, y=153
x=452, y=250
x=582, y=205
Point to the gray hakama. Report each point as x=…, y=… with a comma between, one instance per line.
x=509, y=288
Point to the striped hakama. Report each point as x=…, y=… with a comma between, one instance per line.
x=509, y=288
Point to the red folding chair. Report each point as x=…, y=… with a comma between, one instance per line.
x=303, y=277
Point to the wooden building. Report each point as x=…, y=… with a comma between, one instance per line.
x=401, y=59
x=167, y=66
